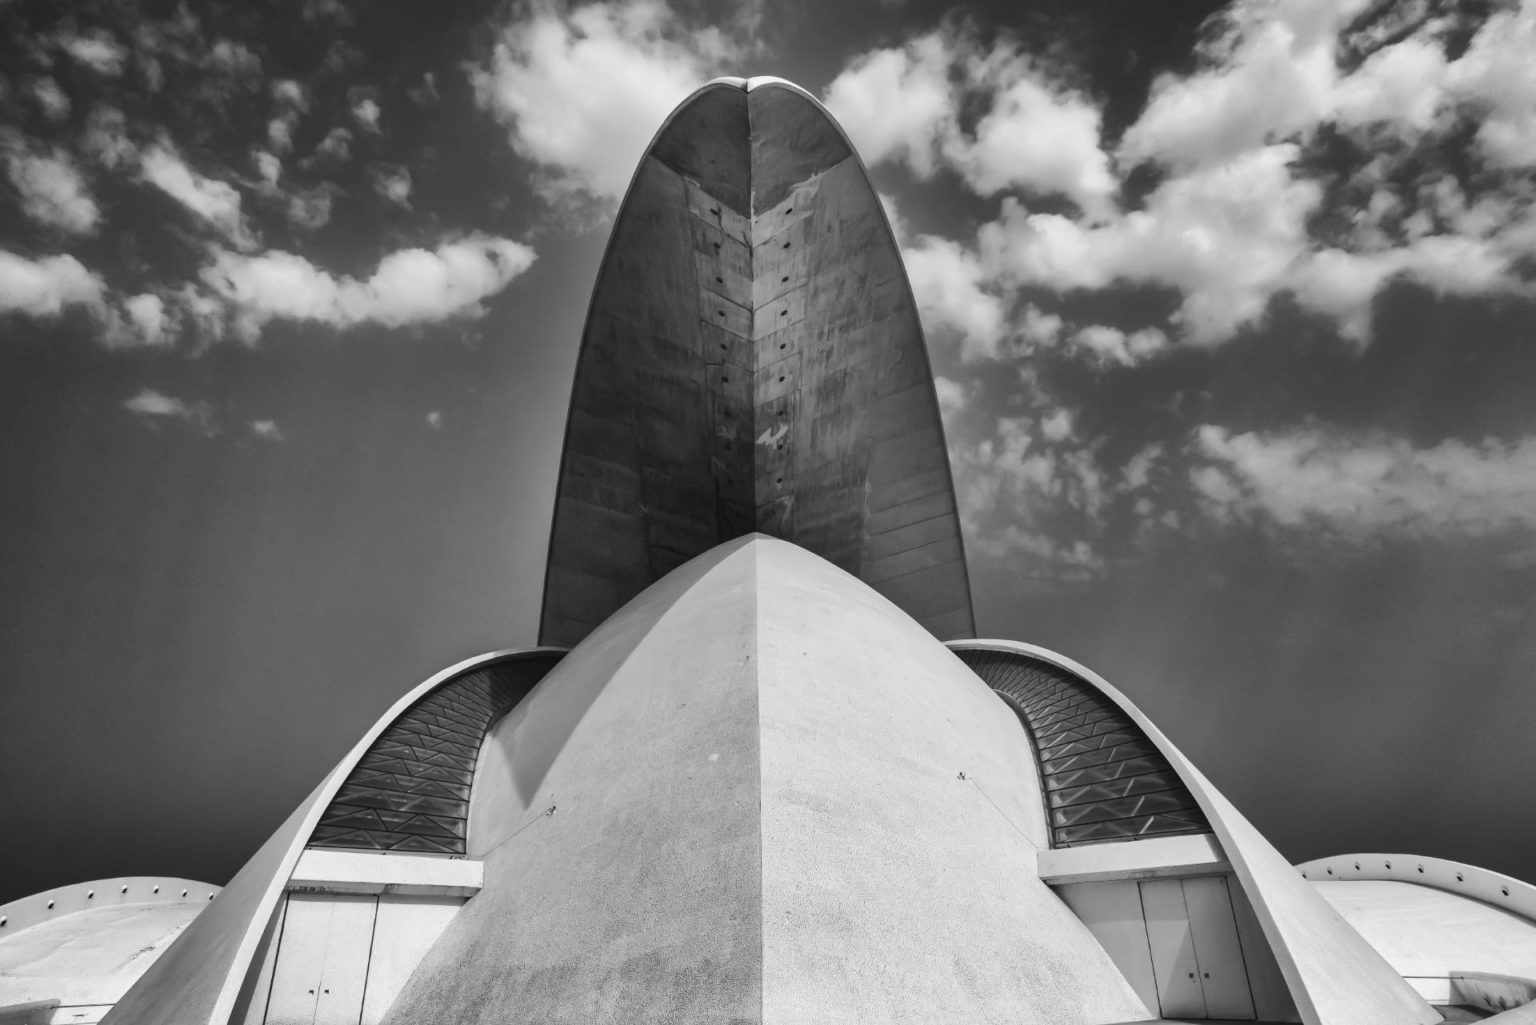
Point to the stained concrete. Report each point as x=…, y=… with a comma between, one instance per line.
x=752, y=361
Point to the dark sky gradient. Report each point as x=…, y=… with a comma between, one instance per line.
x=198, y=618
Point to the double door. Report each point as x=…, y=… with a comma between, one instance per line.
x=1197, y=959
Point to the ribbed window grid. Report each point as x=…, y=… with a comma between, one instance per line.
x=1104, y=780
x=410, y=791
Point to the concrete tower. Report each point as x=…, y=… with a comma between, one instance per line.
x=760, y=771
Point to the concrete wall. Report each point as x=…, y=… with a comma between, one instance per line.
x=901, y=816
x=616, y=811
x=761, y=792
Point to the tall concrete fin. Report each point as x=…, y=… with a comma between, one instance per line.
x=752, y=362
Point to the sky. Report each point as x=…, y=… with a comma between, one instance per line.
x=1231, y=309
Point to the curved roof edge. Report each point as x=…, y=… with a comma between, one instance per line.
x=1502, y=891
x=1334, y=975
x=45, y=905
x=219, y=955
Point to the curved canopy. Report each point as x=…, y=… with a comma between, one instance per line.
x=752, y=362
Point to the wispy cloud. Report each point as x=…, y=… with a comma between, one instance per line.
x=410, y=286
x=52, y=188
x=214, y=202
x=154, y=406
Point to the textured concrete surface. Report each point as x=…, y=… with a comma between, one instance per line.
x=1333, y=975
x=752, y=361
x=761, y=792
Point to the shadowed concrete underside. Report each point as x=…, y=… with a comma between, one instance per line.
x=752, y=362
x=754, y=812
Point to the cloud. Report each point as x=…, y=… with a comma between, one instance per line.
x=53, y=191
x=337, y=146
x=392, y=183
x=153, y=405
x=99, y=51
x=46, y=287
x=897, y=104
x=50, y=98
x=215, y=202
x=1225, y=237
x=1361, y=488
x=410, y=286
x=366, y=112
x=947, y=281
x=1112, y=345
x=266, y=430
x=1497, y=78
x=903, y=105
x=435, y=420
x=153, y=322
x=582, y=91
x=106, y=139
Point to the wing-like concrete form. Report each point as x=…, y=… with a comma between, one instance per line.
x=753, y=362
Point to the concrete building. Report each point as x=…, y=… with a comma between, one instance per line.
x=760, y=769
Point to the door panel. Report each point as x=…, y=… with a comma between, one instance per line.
x=405, y=930
x=1112, y=912
x=1223, y=976
x=322, y=960
x=1173, y=949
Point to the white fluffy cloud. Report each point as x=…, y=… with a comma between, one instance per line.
x=902, y=105
x=582, y=91
x=215, y=202
x=52, y=189
x=411, y=286
x=1225, y=236
x=157, y=406
x=1124, y=348
x=99, y=51
x=947, y=281
x=1360, y=488
x=44, y=288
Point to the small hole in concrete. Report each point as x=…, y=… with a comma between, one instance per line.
x=725, y=380
x=783, y=345
x=183, y=893
x=50, y=905
x=717, y=245
x=1459, y=879
x=715, y=210
x=210, y=896
x=783, y=313
x=780, y=480
x=781, y=444
x=719, y=281
x=789, y=209
x=1504, y=890
x=784, y=279
x=721, y=312
x=722, y=345
x=155, y=890
x=3, y=920
x=786, y=245
x=123, y=890
x=1330, y=871
x=781, y=378
x=1389, y=864
x=1421, y=868
x=90, y=894
x=1357, y=866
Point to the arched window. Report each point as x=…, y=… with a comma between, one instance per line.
x=410, y=791
x=1103, y=778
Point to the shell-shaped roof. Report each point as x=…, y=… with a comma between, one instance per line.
x=753, y=362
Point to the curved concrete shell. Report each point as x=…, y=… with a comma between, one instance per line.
x=762, y=792
x=752, y=362
x=70, y=953
x=206, y=976
x=1444, y=926
x=1333, y=975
